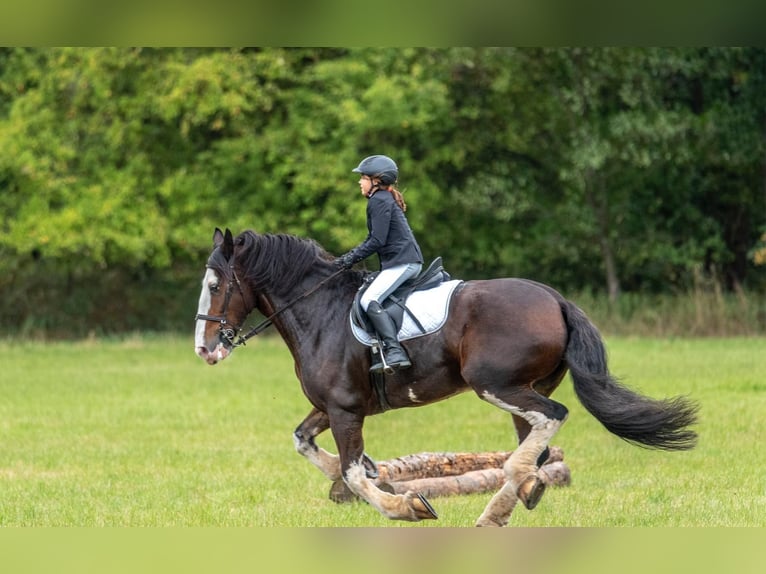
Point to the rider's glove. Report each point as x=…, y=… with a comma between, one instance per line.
x=345, y=261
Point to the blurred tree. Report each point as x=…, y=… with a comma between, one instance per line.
x=614, y=169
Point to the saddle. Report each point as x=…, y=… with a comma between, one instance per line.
x=395, y=304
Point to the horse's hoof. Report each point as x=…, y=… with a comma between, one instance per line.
x=423, y=509
x=370, y=467
x=488, y=522
x=340, y=493
x=531, y=491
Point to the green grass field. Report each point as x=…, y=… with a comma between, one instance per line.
x=139, y=432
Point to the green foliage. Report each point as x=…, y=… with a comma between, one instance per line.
x=611, y=170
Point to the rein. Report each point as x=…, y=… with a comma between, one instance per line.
x=266, y=323
x=230, y=333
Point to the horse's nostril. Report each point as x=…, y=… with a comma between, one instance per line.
x=211, y=358
x=202, y=352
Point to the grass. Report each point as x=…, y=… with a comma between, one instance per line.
x=704, y=311
x=139, y=432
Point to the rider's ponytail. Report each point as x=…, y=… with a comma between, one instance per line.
x=397, y=197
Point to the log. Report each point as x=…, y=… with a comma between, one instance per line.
x=555, y=474
x=476, y=481
x=448, y=474
x=437, y=464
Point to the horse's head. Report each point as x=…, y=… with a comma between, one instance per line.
x=222, y=307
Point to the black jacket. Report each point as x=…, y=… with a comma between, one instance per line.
x=389, y=235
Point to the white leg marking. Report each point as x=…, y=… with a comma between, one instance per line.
x=328, y=463
x=356, y=478
x=499, y=509
x=543, y=429
x=533, y=417
x=395, y=506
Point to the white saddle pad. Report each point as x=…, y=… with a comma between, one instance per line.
x=430, y=307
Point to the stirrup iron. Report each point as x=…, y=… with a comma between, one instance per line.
x=377, y=347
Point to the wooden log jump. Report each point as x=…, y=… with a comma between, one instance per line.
x=435, y=474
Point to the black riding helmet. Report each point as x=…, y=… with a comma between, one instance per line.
x=379, y=166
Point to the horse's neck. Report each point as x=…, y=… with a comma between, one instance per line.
x=299, y=320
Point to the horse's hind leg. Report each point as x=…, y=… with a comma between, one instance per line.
x=544, y=417
x=545, y=387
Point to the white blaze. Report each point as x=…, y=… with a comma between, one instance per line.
x=210, y=280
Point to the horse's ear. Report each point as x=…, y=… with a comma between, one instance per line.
x=228, y=244
x=217, y=237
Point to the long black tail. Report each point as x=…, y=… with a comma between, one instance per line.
x=661, y=424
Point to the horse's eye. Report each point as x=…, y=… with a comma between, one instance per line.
x=215, y=288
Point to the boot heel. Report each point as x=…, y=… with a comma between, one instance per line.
x=392, y=354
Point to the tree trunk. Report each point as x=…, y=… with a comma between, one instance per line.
x=599, y=203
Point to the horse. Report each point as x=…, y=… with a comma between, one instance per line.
x=509, y=340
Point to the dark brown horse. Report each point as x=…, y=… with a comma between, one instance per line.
x=511, y=341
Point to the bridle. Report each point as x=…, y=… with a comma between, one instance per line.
x=225, y=331
x=232, y=333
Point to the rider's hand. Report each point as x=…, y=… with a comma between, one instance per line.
x=345, y=261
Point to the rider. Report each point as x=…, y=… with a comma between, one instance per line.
x=392, y=239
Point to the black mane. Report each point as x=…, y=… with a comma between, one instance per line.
x=277, y=262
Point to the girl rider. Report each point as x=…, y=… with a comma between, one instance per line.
x=392, y=239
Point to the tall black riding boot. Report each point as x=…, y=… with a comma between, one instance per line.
x=395, y=356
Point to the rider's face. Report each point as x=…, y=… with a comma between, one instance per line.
x=365, y=184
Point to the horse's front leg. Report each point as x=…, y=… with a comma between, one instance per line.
x=313, y=425
x=347, y=430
